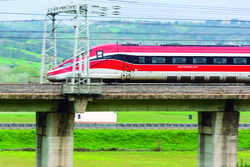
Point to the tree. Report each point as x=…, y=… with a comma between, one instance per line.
x=13, y=64
x=234, y=21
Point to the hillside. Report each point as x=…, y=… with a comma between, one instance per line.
x=21, y=42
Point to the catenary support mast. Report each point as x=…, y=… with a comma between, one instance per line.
x=49, y=56
x=81, y=44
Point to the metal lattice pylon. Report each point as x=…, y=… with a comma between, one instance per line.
x=49, y=54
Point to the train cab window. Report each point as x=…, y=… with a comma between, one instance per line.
x=179, y=60
x=199, y=60
x=130, y=59
x=65, y=65
x=142, y=60
x=116, y=57
x=99, y=54
x=240, y=60
x=218, y=60
x=158, y=60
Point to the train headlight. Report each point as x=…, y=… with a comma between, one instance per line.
x=49, y=74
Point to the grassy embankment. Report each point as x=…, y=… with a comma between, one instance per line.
x=119, y=139
x=124, y=117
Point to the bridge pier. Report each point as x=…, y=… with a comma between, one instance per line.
x=218, y=138
x=54, y=143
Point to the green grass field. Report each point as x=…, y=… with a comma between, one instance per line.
x=17, y=117
x=124, y=117
x=132, y=139
x=29, y=53
x=114, y=159
x=156, y=117
x=25, y=51
x=7, y=61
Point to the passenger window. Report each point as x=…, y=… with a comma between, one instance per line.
x=179, y=60
x=240, y=60
x=99, y=54
x=142, y=60
x=189, y=60
x=148, y=60
x=158, y=60
x=220, y=60
x=168, y=60
x=199, y=60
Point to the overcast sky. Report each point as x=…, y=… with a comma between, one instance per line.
x=137, y=9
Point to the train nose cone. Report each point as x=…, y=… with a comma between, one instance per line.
x=51, y=78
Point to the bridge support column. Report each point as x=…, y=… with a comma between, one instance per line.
x=54, y=143
x=218, y=139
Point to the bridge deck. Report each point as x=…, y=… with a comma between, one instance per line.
x=131, y=91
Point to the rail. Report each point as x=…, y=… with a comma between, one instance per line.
x=115, y=126
x=177, y=88
x=29, y=88
x=127, y=88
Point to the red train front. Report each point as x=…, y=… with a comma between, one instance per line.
x=163, y=63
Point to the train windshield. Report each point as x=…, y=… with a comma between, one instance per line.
x=65, y=65
x=71, y=57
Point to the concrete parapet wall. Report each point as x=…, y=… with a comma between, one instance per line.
x=81, y=104
x=165, y=105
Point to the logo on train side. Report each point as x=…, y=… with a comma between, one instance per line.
x=187, y=66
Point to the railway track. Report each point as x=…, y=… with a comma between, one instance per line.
x=177, y=88
x=132, y=88
x=114, y=126
x=30, y=88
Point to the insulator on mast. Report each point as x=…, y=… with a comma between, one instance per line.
x=116, y=13
x=102, y=14
x=116, y=7
x=103, y=8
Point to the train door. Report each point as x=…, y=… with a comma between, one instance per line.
x=128, y=65
x=128, y=62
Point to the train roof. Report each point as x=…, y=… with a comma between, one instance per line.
x=173, y=45
x=191, y=45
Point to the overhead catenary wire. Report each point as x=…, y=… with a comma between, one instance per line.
x=134, y=18
x=180, y=25
x=133, y=33
x=128, y=21
x=185, y=12
x=127, y=17
x=176, y=5
x=187, y=8
x=128, y=39
x=208, y=26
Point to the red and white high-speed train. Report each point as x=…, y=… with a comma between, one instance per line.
x=163, y=63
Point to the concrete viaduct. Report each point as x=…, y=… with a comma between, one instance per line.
x=218, y=117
